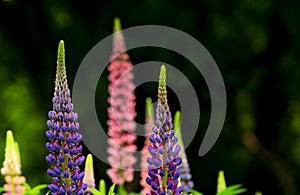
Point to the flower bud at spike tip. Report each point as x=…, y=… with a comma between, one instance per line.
x=162, y=91
x=117, y=25
x=221, y=182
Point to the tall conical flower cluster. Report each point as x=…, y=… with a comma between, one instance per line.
x=185, y=175
x=65, y=151
x=89, y=178
x=12, y=167
x=121, y=112
x=164, y=162
x=149, y=119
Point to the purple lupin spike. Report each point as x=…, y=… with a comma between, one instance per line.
x=65, y=151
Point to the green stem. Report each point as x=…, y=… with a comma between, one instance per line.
x=121, y=190
x=164, y=180
x=65, y=166
x=12, y=184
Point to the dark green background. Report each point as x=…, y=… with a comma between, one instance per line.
x=255, y=43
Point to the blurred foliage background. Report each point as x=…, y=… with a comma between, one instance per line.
x=256, y=45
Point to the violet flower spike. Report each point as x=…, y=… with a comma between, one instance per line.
x=163, y=165
x=121, y=125
x=65, y=151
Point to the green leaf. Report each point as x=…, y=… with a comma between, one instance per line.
x=194, y=192
x=38, y=188
x=2, y=189
x=34, y=191
x=27, y=186
x=48, y=193
x=95, y=191
x=232, y=190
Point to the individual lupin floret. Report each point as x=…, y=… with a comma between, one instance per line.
x=121, y=124
x=164, y=162
x=65, y=151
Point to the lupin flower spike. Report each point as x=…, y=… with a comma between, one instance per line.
x=221, y=182
x=185, y=175
x=164, y=162
x=89, y=178
x=65, y=151
x=12, y=167
x=149, y=122
x=121, y=125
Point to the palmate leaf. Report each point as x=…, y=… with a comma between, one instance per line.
x=37, y=189
x=95, y=191
x=34, y=191
x=27, y=186
x=194, y=192
x=232, y=190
